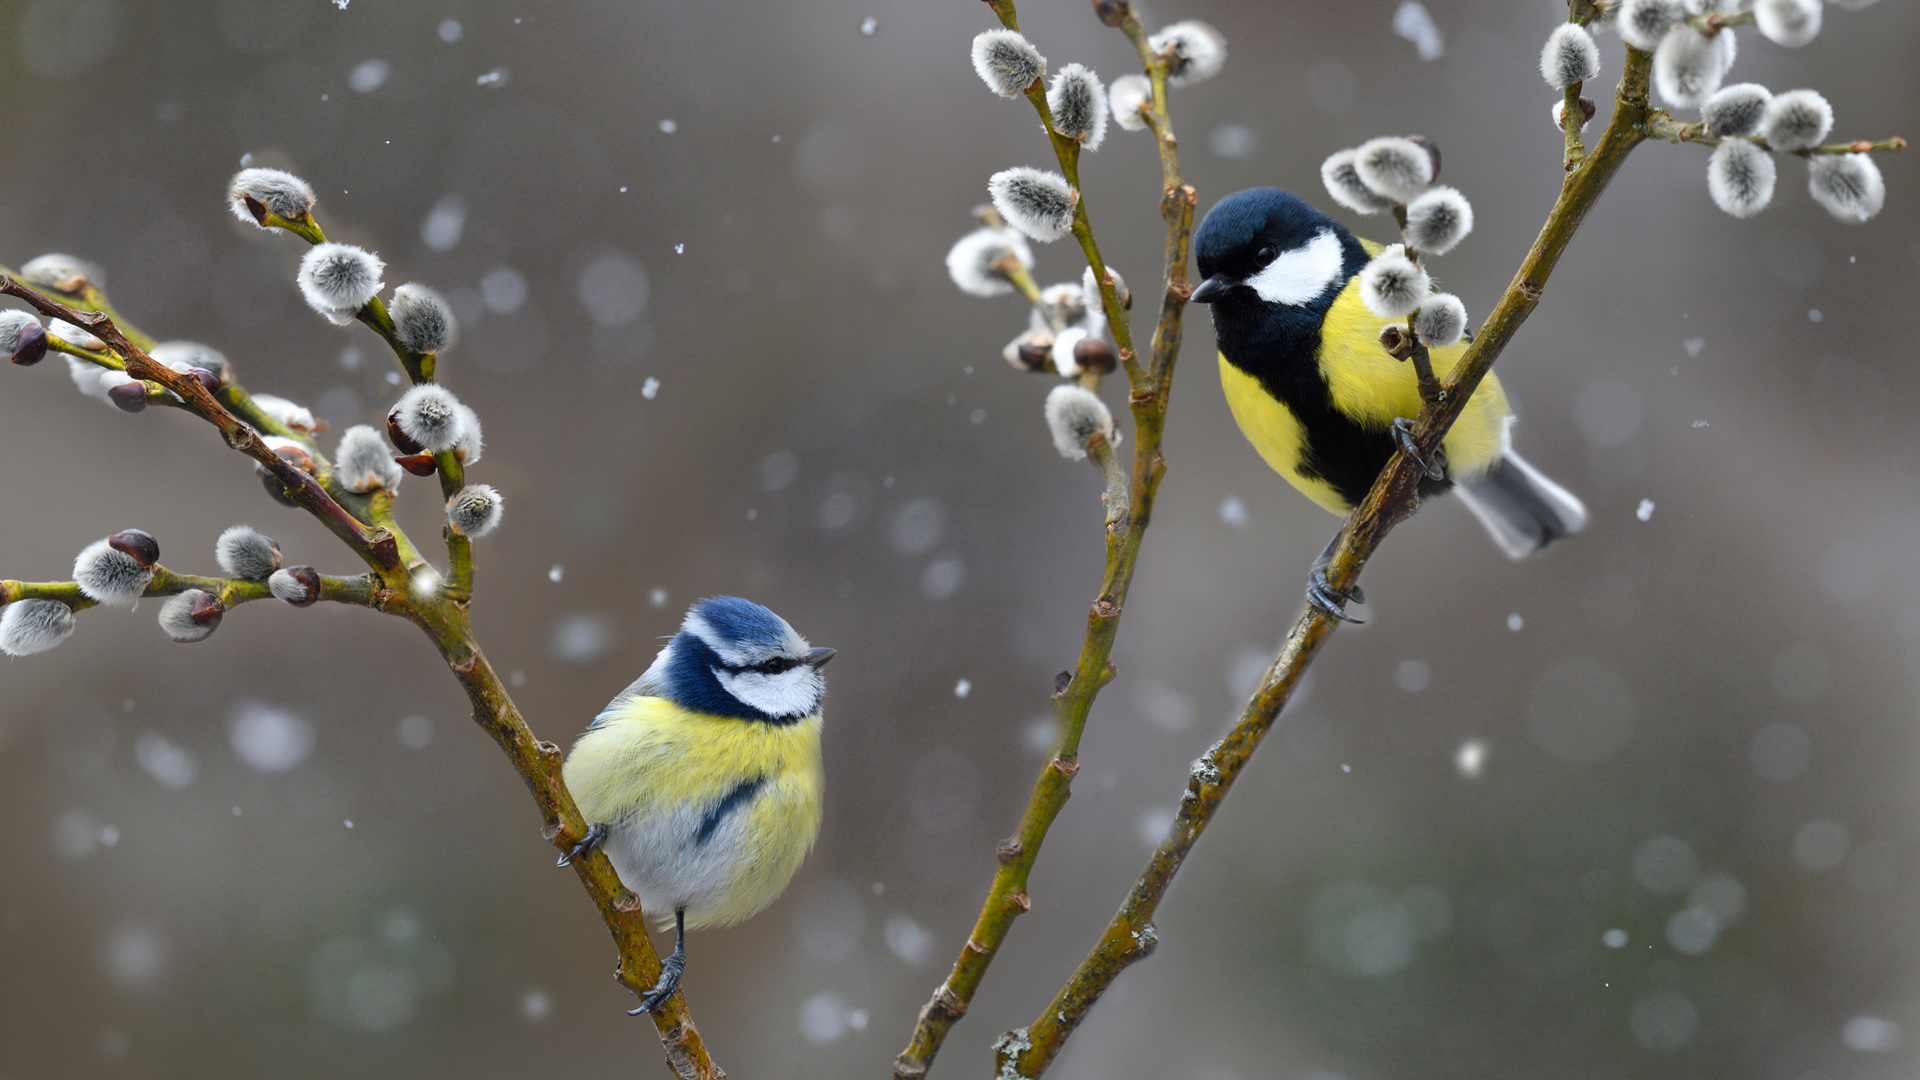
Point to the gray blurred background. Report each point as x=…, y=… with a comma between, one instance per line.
x=1641, y=807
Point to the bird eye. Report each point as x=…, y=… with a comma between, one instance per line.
x=774, y=666
x=1266, y=254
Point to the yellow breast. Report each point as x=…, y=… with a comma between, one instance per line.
x=1369, y=387
x=649, y=760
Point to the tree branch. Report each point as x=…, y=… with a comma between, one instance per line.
x=1130, y=935
x=1075, y=690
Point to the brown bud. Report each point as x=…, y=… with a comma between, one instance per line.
x=1433, y=152
x=137, y=543
x=309, y=579
x=1396, y=340
x=129, y=397
x=257, y=208
x=207, y=610
x=1094, y=354
x=1031, y=351
x=1061, y=682
x=400, y=440
x=417, y=464
x=32, y=346
x=207, y=379
x=1112, y=12
x=297, y=457
x=1587, y=107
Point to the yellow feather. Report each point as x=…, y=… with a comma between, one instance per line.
x=1371, y=388
x=649, y=757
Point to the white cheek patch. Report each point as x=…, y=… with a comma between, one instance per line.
x=789, y=695
x=1301, y=275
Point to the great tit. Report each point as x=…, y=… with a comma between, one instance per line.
x=703, y=779
x=1318, y=396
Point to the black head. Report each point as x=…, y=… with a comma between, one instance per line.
x=1268, y=245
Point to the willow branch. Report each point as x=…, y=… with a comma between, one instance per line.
x=374, y=546
x=1662, y=125
x=1126, y=523
x=1130, y=935
x=441, y=613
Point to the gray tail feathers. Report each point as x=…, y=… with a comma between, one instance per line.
x=1521, y=509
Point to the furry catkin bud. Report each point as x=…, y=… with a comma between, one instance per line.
x=430, y=415
x=1344, y=184
x=22, y=338
x=1688, y=65
x=1735, y=110
x=1792, y=23
x=1039, y=204
x=421, y=319
x=187, y=355
x=191, y=616
x=1441, y=320
x=246, y=554
x=59, y=273
x=1092, y=289
x=1643, y=23
x=74, y=335
x=95, y=381
x=1848, y=185
x=1062, y=355
x=1079, y=106
x=297, y=585
x=1130, y=97
x=1075, y=415
x=34, y=626
x=1195, y=51
x=1394, y=167
x=113, y=576
x=1740, y=177
x=1570, y=56
x=1438, y=220
x=1796, y=120
x=1559, y=111
x=1392, y=285
x=472, y=441
x=979, y=262
x=297, y=417
x=1030, y=351
x=474, y=510
x=271, y=191
x=362, y=463
x=1061, y=306
x=337, y=280
x=1007, y=62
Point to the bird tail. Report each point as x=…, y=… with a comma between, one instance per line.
x=1520, y=508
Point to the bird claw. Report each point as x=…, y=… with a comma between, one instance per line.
x=596, y=835
x=1435, y=469
x=670, y=971
x=1330, y=601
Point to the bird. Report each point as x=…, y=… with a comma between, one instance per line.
x=1314, y=391
x=703, y=780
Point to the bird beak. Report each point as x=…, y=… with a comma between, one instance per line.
x=819, y=657
x=1211, y=289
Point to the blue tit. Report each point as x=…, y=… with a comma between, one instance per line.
x=702, y=780
x=1315, y=393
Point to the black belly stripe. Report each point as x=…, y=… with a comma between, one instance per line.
x=733, y=800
